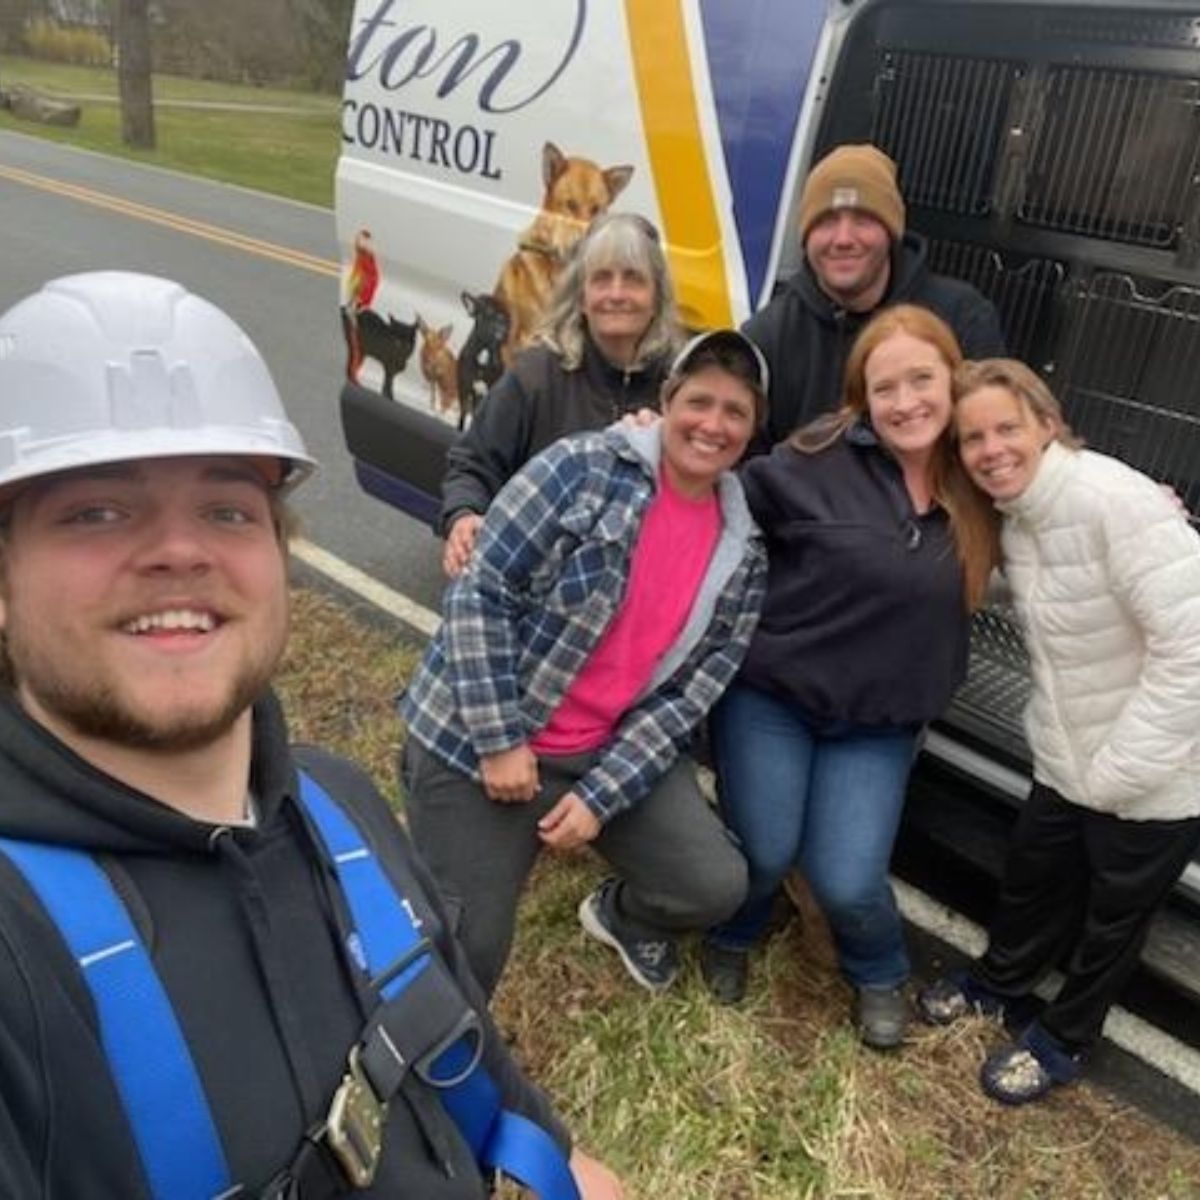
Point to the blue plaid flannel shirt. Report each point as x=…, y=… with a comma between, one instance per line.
x=546, y=580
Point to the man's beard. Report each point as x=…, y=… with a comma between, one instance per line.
x=97, y=711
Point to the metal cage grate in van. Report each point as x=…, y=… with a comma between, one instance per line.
x=1127, y=28
x=940, y=117
x=1113, y=155
x=1131, y=376
x=997, y=688
x=1024, y=292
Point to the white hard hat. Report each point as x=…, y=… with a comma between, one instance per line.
x=111, y=366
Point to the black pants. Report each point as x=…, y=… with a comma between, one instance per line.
x=1084, y=885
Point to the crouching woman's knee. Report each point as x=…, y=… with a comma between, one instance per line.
x=720, y=888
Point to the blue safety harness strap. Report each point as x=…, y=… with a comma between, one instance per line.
x=151, y=1063
x=386, y=934
x=161, y=1092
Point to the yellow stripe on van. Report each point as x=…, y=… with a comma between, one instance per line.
x=681, y=178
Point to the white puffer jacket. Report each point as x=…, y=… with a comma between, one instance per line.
x=1105, y=573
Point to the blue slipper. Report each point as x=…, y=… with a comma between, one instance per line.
x=956, y=996
x=1028, y=1068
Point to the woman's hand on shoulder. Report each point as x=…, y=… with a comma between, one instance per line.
x=1175, y=498
x=460, y=544
x=641, y=418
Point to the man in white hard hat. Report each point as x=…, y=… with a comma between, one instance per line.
x=222, y=970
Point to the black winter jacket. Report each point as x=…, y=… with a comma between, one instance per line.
x=240, y=928
x=865, y=618
x=806, y=337
x=530, y=406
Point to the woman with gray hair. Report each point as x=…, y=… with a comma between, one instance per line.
x=603, y=350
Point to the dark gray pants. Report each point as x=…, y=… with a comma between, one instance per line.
x=679, y=866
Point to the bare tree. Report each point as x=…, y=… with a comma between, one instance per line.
x=12, y=20
x=216, y=39
x=323, y=28
x=133, y=73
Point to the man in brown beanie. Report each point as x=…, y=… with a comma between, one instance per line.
x=858, y=258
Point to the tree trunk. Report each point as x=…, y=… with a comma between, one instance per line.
x=133, y=74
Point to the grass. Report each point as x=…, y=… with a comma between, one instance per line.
x=772, y=1101
x=65, y=79
x=289, y=154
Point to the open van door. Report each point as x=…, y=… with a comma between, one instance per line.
x=1050, y=154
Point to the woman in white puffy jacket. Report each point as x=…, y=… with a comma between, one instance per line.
x=1105, y=573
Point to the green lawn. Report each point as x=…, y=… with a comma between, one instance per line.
x=63, y=79
x=289, y=154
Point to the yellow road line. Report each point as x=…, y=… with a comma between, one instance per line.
x=169, y=220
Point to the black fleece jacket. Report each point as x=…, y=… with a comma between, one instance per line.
x=805, y=337
x=865, y=619
x=240, y=926
x=530, y=406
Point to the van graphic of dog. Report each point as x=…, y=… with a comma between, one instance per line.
x=479, y=361
x=577, y=192
x=438, y=365
x=389, y=342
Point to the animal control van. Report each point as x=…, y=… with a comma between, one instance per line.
x=1049, y=153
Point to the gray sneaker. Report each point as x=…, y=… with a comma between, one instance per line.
x=652, y=961
x=881, y=1014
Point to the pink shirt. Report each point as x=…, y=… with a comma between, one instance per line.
x=673, y=549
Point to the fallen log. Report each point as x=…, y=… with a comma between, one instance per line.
x=29, y=105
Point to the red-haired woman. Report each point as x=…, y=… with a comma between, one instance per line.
x=879, y=549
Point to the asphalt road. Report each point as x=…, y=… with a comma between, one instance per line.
x=270, y=263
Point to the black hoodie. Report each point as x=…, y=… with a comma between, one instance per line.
x=805, y=337
x=865, y=619
x=532, y=405
x=240, y=925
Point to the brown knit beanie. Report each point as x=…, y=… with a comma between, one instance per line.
x=853, y=177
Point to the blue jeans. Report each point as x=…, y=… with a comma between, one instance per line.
x=825, y=797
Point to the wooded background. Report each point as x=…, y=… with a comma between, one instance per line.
x=290, y=42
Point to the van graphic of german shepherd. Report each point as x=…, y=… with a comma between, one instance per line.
x=577, y=191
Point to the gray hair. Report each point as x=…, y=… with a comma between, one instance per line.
x=623, y=240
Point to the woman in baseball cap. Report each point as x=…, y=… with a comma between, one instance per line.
x=616, y=584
